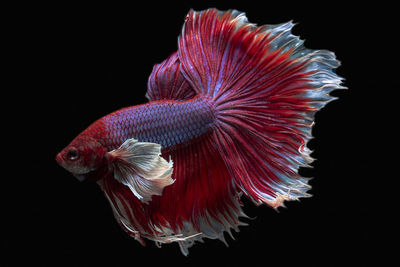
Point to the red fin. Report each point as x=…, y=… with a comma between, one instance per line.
x=202, y=202
x=167, y=82
x=266, y=88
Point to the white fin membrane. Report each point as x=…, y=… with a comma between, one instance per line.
x=139, y=166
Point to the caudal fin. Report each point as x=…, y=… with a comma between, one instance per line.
x=266, y=88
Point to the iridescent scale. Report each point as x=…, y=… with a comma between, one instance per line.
x=167, y=123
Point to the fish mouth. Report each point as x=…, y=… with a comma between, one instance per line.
x=92, y=175
x=80, y=176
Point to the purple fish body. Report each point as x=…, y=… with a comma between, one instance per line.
x=167, y=123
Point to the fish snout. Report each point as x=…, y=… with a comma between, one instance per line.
x=59, y=158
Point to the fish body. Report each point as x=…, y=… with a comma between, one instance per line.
x=165, y=122
x=230, y=113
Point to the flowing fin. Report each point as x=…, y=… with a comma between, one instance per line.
x=266, y=88
x=139, y=166
x=202, y=202
x=167, y=82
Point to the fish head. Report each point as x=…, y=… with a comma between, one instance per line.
x=82, y=156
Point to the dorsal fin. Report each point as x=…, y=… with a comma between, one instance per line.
x=167, y=82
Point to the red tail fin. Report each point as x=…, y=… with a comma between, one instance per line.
x=266, y=88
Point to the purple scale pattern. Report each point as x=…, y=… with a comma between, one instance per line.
x=166, y=122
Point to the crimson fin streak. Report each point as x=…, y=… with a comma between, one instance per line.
x=266, y=88
x=172, y=217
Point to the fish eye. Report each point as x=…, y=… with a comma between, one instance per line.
x=72, y=154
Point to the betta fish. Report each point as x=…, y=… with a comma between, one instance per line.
x=229, y=114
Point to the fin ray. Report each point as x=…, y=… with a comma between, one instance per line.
x=139, y=166
x=167, y=82
x=266, y=88
x=202, y=202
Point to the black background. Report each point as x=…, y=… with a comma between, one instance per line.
x=77, y=63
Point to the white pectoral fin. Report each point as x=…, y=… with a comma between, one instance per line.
x=139, y=166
